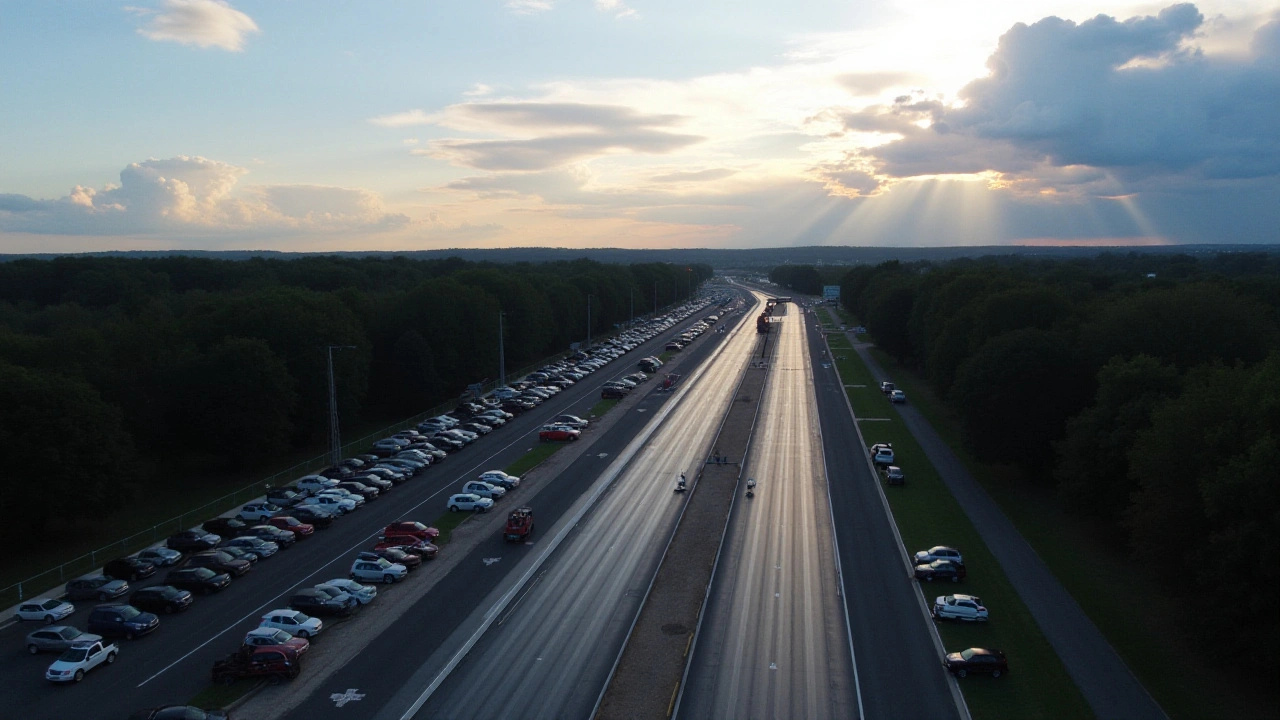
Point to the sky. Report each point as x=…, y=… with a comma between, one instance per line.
x=327, y=125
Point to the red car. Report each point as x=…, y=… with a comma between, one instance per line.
x=409, y=544
x=412, y=527
x=293, y=525
x=558, y=433
x=397, y=554
x=273, y=637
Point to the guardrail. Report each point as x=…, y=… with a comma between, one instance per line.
x=54, y=577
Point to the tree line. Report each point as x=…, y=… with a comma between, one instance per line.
x=1144, y=390
x=125, y=373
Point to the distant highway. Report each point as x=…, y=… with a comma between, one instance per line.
x=774, y=643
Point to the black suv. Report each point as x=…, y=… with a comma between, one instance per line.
x=218, y=561
x=198, y=579
x=226, y=527
x=124, y=621
x=128, y=568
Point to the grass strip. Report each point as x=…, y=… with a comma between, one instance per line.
x=220, y=695
x=1133, y=612
x=927, y=514
x=446, y=524
x=601, y=408
x=533, y=458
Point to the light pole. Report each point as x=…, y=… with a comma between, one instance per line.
x=502, y=355
x=335, y=437
x=631, y=295
x=588, y=321
x=655, y=298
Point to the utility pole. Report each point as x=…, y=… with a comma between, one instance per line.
x=502, y=355
x=631, y=295
x=655, y=298
x=588, y=322
x=335, y=437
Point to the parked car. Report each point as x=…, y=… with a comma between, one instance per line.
x=56, y=638
x=609, y=392
x=335, y=505
x=46, y=610
x=267, y=662
x=240, y=553
x=160, y=556
x=315, y=516
x=380, y=570
x=882, y=456
x=375, y=480
x=100, y=588
x=256, y=512
x=572, y=421
x=558, y=433
x=364, y=594
x=337, y=472
x=388, y=446
x=893, y=475
x=274, y=637
x=198, y=579
x=315, y=602
x=219, y=562
x=500, y=478
x=80, y=658
x=193, y=541
x=282, y=538
x=476, y=427
x=365, y=491
x=412, y=527
x=225, y=526
x=295, y=623
x=897, y=396
x=120, y=620
x=467, y=501
x=165, y=599
x=416, y=547
x=283, y=497
x=257, y=546
x=959, y=607
x=940, y=570
x=976, y=660
x=299, y=529
x=483, y=489
x=128, y=568
x=179, y=712
x=315, y=483
x=938, y=552
x=338, y=595
x=353, y=500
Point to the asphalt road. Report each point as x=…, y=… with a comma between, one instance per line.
x=172, y=664
x=551, y=654
x=1104, y=679
x=774, y=642
x=894, y=645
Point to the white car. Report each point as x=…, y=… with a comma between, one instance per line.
x=48, y=610
x=293, y=622
x=483, y=489
x=959, y=607
x=364, y=594
x=79, y=659
x=939, y=552
x=343, y=494
x=160, y=556
x=467, y=501
x=315, y=483
x=332, y=503
x=498, y=477
x=257, y=512
x=377, y=570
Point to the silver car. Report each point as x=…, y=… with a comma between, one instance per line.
x=56, y=638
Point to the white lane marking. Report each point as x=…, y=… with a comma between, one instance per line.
x=490, y=561
x=341, y=699
x=602, y=455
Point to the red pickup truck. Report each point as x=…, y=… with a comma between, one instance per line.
x=519, y=525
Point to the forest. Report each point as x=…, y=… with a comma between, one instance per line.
x=121, y=374
x=1144, y=391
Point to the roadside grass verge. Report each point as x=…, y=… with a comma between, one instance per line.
x=446, y=524
x=1134, y=614
x=220, y=695
x=927, y=514
x=601, y=408
x=533, y=458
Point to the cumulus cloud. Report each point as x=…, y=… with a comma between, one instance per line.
x=873, y=83
x=205, y=23
x=547, y=135
x=529, y=7
x=195, y=194
x=1132, y=97
x=617, y=7
x=695, y=175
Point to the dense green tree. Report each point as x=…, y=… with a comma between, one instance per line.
x=61, y=426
